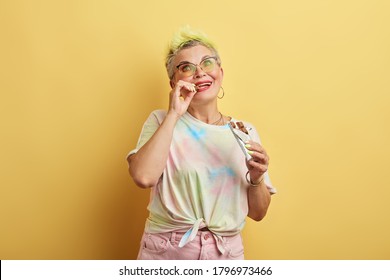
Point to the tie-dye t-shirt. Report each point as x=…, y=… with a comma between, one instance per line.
x=203, y=183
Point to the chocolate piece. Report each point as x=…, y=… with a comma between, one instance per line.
x=242, y=127
x=233, y=124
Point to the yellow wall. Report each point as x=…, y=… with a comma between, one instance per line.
x=78, y=78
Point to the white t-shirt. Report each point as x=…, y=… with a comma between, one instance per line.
x=203, y=183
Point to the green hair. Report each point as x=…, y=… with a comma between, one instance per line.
x=185, y=38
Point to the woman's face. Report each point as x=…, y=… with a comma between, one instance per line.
x=208, y=82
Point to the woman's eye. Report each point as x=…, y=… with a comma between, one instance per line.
x=207, y=62
x=186, y=68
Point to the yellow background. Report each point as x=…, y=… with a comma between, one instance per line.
x=78, y=78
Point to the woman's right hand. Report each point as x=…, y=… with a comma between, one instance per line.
x=180, y=97
x=148, y=164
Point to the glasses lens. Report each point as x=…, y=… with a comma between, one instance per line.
x=208, y=64
x=187, y=69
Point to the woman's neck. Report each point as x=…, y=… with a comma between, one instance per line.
x=207, y=114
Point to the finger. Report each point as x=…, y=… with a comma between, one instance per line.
x=262, y=168
x=188, y=86
x=251, y=145
x=255, y=147
x=259, y=157
x=189, y=97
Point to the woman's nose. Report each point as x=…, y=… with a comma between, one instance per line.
x=199, y=72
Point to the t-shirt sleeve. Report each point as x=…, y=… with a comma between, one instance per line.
x=150, y=126
x=255, y=137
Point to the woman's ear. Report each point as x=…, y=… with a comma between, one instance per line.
x=172, y=84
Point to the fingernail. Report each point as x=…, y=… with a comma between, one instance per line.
x=247, y=145
x=250, y=152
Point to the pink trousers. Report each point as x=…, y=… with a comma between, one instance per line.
x=164, y=246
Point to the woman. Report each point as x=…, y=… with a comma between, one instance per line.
x=202, y=184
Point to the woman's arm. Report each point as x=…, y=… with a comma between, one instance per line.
x=147, y=165
x=259, y=197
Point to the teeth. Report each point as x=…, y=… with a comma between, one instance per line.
x=204, y=84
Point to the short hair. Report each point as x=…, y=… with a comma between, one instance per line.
x=185, y=38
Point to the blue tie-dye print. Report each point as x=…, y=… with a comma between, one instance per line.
x=222, y=171
x=197, y=134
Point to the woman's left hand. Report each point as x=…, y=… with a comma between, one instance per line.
x=258, y=164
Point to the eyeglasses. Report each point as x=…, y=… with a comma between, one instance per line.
x=207, y=65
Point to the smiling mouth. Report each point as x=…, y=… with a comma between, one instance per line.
x=202, y=86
